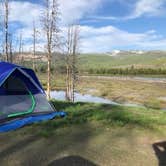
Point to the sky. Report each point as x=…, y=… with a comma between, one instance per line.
x=105, y=25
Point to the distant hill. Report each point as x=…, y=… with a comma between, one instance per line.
x=115, y=59
x=123, y=59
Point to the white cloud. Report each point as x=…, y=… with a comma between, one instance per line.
x=140, y=8
x=107, y=38
x=73, y=10
x=147, y=8
x=24, y=12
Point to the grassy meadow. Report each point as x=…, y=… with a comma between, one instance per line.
x=146, y=93
x=91, y=134
x=149, y=94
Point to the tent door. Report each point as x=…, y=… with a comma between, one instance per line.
x=16, y=99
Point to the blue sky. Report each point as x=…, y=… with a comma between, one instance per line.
x=116, y=13
x=105, y=25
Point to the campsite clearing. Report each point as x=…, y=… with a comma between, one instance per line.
x=91, y=133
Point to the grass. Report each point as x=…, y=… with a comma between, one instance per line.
x=149, y=94
x=118, y=116
x=126, y=91
x=125, y=59
x=57, y=81
x=90, y=133
x=111, y=115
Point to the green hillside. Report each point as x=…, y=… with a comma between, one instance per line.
x=123, y=63
x=156, y=59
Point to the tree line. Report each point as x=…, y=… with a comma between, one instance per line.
x=128, y=71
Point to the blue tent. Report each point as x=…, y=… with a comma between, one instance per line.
x=22, y=98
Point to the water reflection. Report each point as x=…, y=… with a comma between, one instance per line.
x=60, y=95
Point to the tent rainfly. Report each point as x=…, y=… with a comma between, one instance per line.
x=22, y=98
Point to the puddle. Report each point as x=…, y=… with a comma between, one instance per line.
x=60, y=95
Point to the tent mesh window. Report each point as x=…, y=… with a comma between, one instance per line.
x=16, y=98
x=14, y=85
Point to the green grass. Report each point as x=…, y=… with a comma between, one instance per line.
x=118, y=116
x=57, y=81
x=93, y=132
x=126, y=59
x=126, y=91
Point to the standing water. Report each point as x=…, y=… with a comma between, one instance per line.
x=60, y=95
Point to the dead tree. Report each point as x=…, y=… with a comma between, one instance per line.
x=20, y=54
x=1, y=32
x=74, y=60
x=71, y=61
x=34, y=45
x=68, y=63
x=49, y=21
x=6, y=23
x=10, y=48
x=20, y=44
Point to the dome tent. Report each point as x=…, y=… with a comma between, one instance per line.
x=22, y=98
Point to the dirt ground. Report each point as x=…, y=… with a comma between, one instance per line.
x=83, y=145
